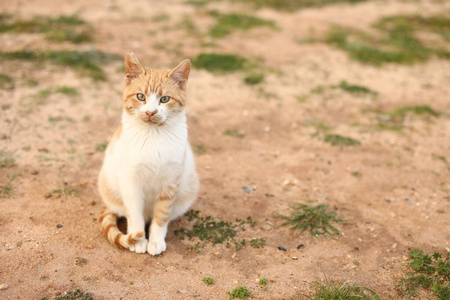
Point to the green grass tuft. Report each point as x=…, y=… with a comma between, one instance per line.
x=339, y=140
x=86, y=63
x=6, y=159
x=101, y=147
x=208, y=280
x=67, y=190
x=221, y=63
x=317, y=220
x=431, y=272
x=75, y=295
x=207, y=230
x=253, y=79
x=240, y=292
x=6, y=82
x=227, y=23
x=292, y=5
x=355, y=89
x=234, y=133
x=397, y=41
x=394, y=119
x=6, y=190
x=258, y=243
x=340, y=291
x=64, y=28
x=263, y=281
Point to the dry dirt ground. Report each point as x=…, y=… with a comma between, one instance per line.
x=393, y=189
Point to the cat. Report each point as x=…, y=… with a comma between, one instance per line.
x=148, y=170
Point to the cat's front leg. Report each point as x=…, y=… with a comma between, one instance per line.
x=134, y=204
x=160, y=221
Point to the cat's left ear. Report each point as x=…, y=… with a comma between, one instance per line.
x=181, y=73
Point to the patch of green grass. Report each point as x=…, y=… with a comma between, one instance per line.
x=86, y=63
x=317, y=220
x=198, y=148
x=61, y=29
x=397, y=41
x=355, y=89
x=227, y=23
x=6, y=159
x=6, y=106
x=6, y=190
x=241, y=292
x=441, y=158
x=75, y=295
x=394, y=119
x=208, y=280
x=207, y=230
x=80, y=261
x=160, y=18
x=67, y=190
x=258, y=243
x=101, y=147
x=255, y=78
x=263, y=281
x=220, y=63
x=234, y=133
x=67, y=90
x=356, y=174
x=340, y=291
x=6, y=82
x=339, y=140
x=430, y=272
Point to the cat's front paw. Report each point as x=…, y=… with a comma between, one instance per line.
x=140, y=246
x=156, y=247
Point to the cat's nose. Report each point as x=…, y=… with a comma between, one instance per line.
x=151, y=113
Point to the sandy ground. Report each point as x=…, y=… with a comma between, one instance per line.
x=401, y=201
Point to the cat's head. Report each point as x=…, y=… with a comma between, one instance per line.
x=154, y=96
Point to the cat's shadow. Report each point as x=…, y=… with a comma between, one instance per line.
x=122, y=225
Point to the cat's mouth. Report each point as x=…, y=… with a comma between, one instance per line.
x=155, y=121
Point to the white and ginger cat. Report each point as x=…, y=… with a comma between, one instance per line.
x=149, y=170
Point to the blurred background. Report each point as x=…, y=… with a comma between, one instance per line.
x=343, y=103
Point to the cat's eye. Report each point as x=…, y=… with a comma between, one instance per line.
x=141, y=97
x=164, y=99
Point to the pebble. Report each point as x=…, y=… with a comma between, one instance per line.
x=3, y=286
x=268, y=195
x=300, y=246
x=282, y=248
x=48, y=195
x=40, y=268
x=388, y=200
x=246, y=189
x=59, y=225
x=294, y=257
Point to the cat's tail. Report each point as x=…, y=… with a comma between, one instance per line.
x=108, y=221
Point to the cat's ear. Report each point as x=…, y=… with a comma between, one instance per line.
x=180, y=74
x=133, y=69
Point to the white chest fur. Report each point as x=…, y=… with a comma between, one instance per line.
x=147, y=156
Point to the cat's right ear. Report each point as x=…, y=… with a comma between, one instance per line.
x=133, y=69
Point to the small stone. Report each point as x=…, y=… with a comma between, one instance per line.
x=356, y=248
x=268, y=195
x=87, y=246
x=59, y=225
x=388, y=200
x=40, y=268
x=48, y=195
x=3, y=286
x=294, y=257
x=300, y=246
x=58, y=293
x=34, y=172
x=281, y=248
x=246, y=189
